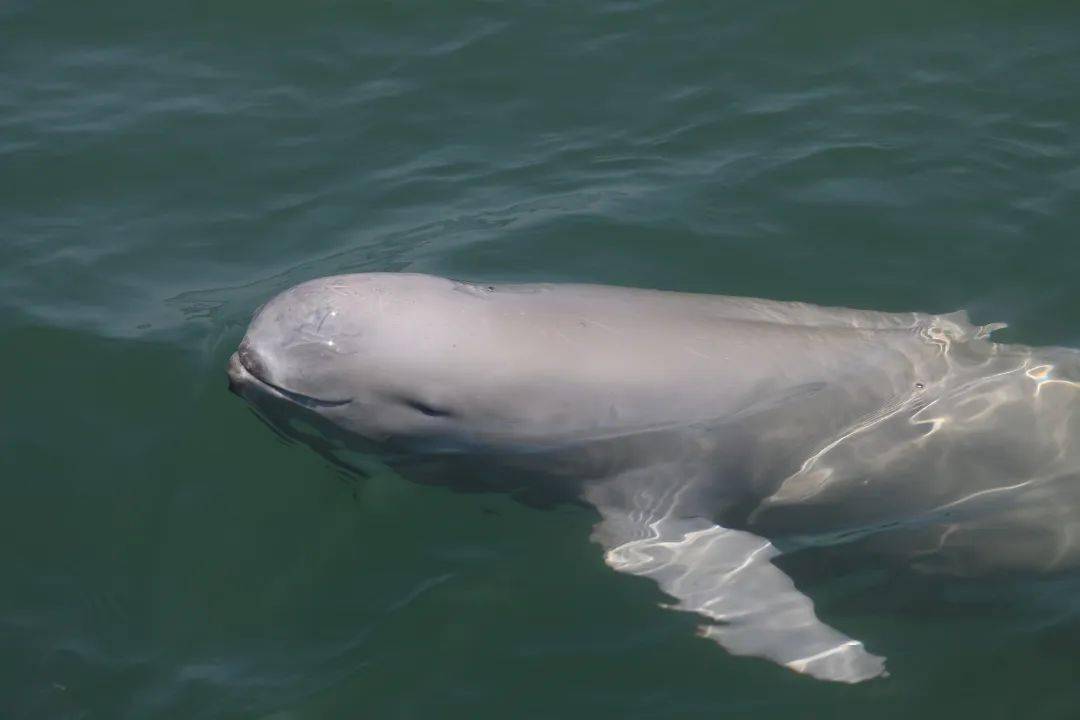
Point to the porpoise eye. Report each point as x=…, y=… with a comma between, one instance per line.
x=426, y=409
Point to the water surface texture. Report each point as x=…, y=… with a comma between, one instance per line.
x=165, y=169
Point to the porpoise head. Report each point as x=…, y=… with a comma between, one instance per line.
x=362, y=352
x=438, y=365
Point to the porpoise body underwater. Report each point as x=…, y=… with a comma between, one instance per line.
x=711, y=434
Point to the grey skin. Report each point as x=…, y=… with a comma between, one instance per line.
x=708, y=432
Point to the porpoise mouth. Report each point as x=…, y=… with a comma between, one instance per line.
x=256, y=369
